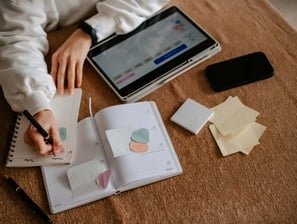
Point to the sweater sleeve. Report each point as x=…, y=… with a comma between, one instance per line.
x=24, y=77
x=122, y=16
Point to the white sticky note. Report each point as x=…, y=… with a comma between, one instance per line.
x=192, y=116
x=119, y=140
x=82, y=178
x=231, y=116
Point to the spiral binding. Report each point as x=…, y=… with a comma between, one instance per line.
x=12, y=136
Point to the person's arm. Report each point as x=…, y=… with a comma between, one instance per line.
x=24, y=78
x=114, y=16
x=122, y=16
x=23, y=43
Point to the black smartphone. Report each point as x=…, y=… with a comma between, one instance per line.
x=239, y=71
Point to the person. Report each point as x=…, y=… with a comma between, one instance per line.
x=24, y=78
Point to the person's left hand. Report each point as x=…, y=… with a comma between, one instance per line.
x=68, y=60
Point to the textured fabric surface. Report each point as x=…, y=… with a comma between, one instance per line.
x=258, y=188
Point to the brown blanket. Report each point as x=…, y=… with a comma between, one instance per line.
x=258, y=188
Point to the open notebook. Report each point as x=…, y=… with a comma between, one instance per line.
x=122, y=147
x=66, y=108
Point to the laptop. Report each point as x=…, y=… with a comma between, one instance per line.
x=160, y=49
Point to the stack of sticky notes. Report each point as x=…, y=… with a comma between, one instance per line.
x=234, y=127
x=192, y=116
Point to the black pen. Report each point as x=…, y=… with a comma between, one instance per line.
x=36, y=209
x=48, y=139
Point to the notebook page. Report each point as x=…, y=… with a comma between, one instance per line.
x=133, y=167
x=88, y=148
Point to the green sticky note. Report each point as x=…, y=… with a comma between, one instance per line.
x=63, y=133
x=141, y=135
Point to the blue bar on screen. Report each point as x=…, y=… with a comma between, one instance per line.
x=170, y=54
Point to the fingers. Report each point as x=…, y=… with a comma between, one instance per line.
x=61, y=76
x=57, y=147
x=74, y=74
x=79, y=72
x=58, y=70
x=33, y=138
x=68, y=60
x=67, y=69
x=71, y=75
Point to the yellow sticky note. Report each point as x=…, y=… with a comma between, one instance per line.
x=231, y=116
x=244, y=141
x=258, y=130
x=225, y=147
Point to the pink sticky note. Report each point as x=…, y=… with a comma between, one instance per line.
x=103, y=179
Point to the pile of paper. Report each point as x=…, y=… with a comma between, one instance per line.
x=192, y=116
x=234, y=127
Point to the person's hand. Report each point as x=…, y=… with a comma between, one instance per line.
x=68, y=60
x=33, y=138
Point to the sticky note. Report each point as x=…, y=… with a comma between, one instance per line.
x=103, y=179
x=231, y=116
x=138, y=146
x=119, y=140
x=243, y=142
x=141, y=135
x=258, y=130
x=63, y=133
x=192, y=116
x=82, y=178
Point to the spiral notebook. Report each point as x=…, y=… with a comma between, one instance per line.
x=66, y=108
